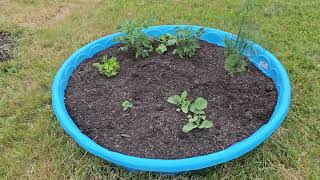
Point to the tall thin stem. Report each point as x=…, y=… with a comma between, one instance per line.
x=240, y=28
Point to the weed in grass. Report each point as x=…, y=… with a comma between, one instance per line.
x=108, y=67
x=9, y=68
x=134, y=38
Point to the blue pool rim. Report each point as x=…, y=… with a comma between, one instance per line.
x=260, y=57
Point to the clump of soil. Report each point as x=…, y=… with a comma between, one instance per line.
x=237, y=105
x=6, y=46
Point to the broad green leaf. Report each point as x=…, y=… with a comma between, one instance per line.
x=198, y=122
x=196, y=117
x=185, y=108
x=178, y=109
x=191, y=120
x=188, y=127
x=174, y=99
x=200, y=112
x=161, y=49
x=184, y=94
x=185, y=103
x=206, y=124
x=196, y=111
x=200, y=103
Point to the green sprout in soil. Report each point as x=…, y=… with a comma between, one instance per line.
x=133, y=38
x=108, y=67
x=126, y=105
x=196, y=115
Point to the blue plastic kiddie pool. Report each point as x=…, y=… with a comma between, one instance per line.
x=260, y=57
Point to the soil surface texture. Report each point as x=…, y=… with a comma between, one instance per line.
x=6, y=46
x=237, y=105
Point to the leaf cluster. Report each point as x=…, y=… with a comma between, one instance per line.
x=165, y=41
x=196, y=115
x=108, y=67
x=134, y=38
x=187, y=41
x=181, y=101
x=234, y=62
x=126, y=105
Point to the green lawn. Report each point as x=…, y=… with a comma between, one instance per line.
x=34, y=146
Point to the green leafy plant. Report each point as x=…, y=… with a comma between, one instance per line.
x=108, y=67
x=165, y=41
x=126, y=105
x=181, y=101
x=196, y=115
x=134, y=38
x=235, y=47
x=234, y=62
x=9, y=68
x=187, y=41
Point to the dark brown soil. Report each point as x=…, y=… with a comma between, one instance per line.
x=237, y=105
x=6, y=46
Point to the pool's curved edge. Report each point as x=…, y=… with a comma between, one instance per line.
x=157, y=165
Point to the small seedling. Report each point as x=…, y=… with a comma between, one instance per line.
x=180, y=101
x=196, y=115
x=134, y=38
x=187, y=41
x=126, y=105
x=108, y=67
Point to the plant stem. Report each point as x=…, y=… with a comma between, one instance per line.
x=240, y=28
